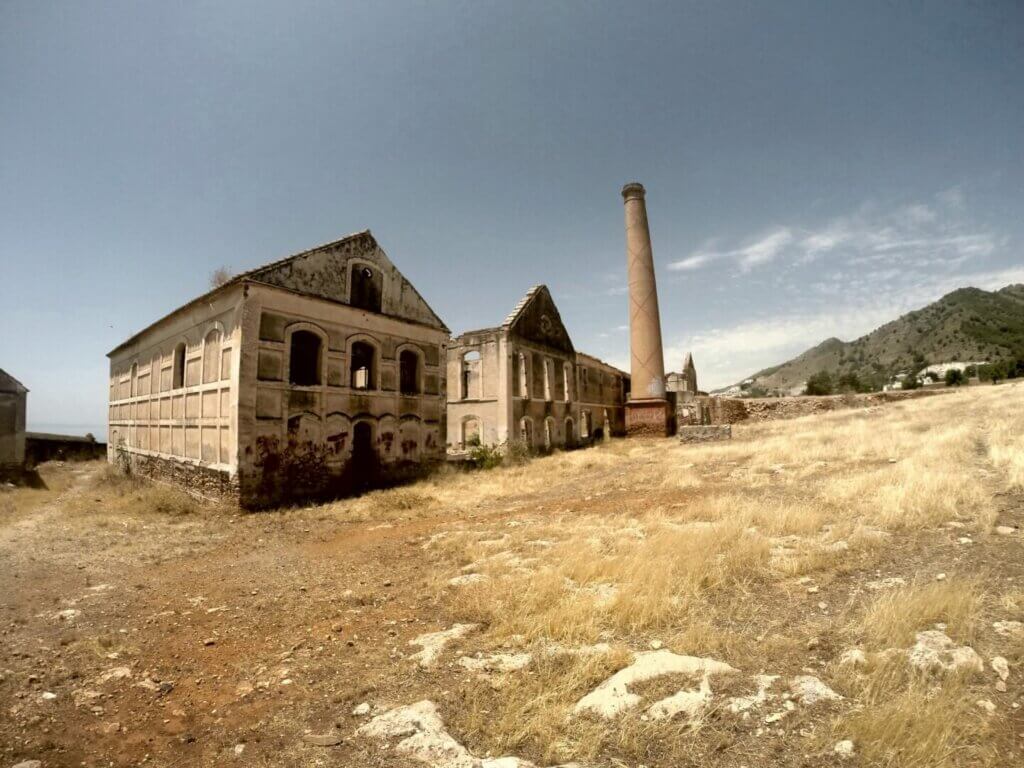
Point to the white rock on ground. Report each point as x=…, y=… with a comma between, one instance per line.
x=986, y=705
x=688, y=702
x=888, y=583
x=844, y=748
x=117, y=673
x=433, y=643
x=854, y=657
x=740, y=704
x=467, y=578
x=361, y=709
x=1005, y=530
x=496, y=662
x=612, y=696
x=809, y=690
x=1008, y=628
x=935, y=651
x=1001, y=667
x=423, y=737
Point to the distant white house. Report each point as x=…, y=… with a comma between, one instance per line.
x=937, y=372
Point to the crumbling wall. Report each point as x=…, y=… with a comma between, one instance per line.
x=731, y=410
x=193, y=478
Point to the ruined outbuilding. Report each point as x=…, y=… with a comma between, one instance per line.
x=524, y=381
x=315, y=375
x=13, y=403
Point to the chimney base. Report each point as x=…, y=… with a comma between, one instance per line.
x=648, y=418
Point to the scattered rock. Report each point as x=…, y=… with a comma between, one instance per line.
x=612, y=696
x=940, y=577
x=1005, y=530
x=433, y=643
x=809, y=690
x=361, y=709
x=888, y=583
x=986, y=705
x=467, y=578
x=210, y=641
x=657, y=645
x=496, y=662
x=117, y=673
x=48, y=696
x=740, y=704
x=1001, y=687
x=690, y=703
x=935, y=651
x=1008, y=628
x=844, y=748
x=28, y=764
x=812, y=590
x=1001, y=667
x=854, y=657
x=239, y=749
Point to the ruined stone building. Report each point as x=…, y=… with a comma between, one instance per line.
x=316, y=374
x=13, y=401
x=524, y=380
x=688, y=403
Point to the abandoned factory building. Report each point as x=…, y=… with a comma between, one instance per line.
x=13, y=397
x=312, y=375
x=524, y=380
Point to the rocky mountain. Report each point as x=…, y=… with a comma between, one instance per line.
x=968, y=324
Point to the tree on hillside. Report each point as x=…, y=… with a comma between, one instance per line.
x=819, y=383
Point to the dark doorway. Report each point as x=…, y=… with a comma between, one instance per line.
x=363, y=465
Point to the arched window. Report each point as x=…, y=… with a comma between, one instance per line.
x=524, y=388
x=362, y=366
x=304, y=359
x=211, y=357
x=547, y=380
x=567, y=382
x=526, y=431
x=178, y=372
x=409, y=372
x=470, y=432
x=366, y=288
x=549, y=433
x=570, y=434
x=471, y=379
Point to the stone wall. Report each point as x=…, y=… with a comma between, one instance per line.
x=704, y=433
x=192, y=477
x=727, y=410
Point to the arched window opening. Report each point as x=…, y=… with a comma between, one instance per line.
x=178, y=372
x=304, y=359
x=547, y=380
x=524, y=388
x=570, y=434
x=367, y=286
x=409, y=372
x=471, y=432
x=549, y=433
x=362, y=365
x=211, y=357
x=567, y=382
x=471, y=380
x=585, y=424
x=135, y=380
x=526, y=431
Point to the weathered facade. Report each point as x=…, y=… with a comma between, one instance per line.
x=13, y=403
x=524, y=381
x=314, y=375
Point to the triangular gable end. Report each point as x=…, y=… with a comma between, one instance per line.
x=10, y=384
x=325, y=272
x=536, y=318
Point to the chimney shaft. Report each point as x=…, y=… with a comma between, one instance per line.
x=647, y=410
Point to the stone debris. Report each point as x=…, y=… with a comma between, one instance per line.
x=844, y=748
x=690, y=703
x=612, y=696
x=854, y=657
x=741, y=704
x=496, y=662
x=28, y=764
x=935, y=651
x=809, y=690
x=433, y=643
x=422, y=736
x=361, y=709
x=1001, y=667
x=1005, y=530
x=467, y=578
x=117, y=673
x=68, y=614
x=239, y=749
x=986, y=705
x=1009, y=628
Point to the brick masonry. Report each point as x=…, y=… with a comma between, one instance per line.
x=704, y=433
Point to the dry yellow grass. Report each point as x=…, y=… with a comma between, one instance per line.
x=893, y=618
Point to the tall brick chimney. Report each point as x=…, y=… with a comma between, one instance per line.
x=647, y=411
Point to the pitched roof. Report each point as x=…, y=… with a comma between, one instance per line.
x=254, y=275
x=521, y=306
x=10, y=384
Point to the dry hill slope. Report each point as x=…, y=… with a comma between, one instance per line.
x=967, y=324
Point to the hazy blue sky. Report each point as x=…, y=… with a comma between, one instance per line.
x=813, y=168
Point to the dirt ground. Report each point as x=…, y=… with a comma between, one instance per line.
x=132, y=635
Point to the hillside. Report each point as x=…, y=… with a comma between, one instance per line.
x=968, y=324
